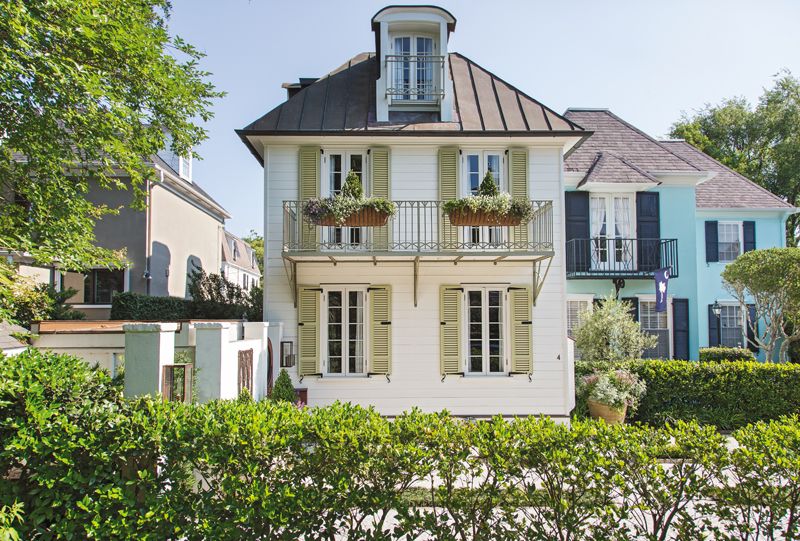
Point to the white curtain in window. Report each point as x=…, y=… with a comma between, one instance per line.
x=622, y=217
x=598, y=212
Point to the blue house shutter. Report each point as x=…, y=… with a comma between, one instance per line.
x=749, y=233
x=713, y=327
x=648, y=230
x=634, y=306
x=680, y=329
x=751, y=331
x=712, y=242
x=576, y=219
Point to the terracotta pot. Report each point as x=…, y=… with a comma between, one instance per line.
x=362, y=218
x=481, y=218
x=610, y=415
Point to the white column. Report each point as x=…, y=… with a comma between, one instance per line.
x=148, y=348
x=211, y=354
x=257, y=330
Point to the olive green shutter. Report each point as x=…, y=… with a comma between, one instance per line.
x=448, y=189
x=381, y=187
x=308, y=176
x=519, y=299
x=450, y=329
x=380, y=341
x=518, y=187
x=308, y=330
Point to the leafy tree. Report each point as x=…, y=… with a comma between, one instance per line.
x=770, y=279
x=256, y=242
x=283, y=389
x=761, y=142
x=23, y=301
x=609, y=333
x=89, y=91
x=214, y=296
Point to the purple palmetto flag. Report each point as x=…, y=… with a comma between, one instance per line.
x=662, y=280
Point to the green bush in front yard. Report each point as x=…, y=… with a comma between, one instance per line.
x=135, y=306
x=83, y=463
x=728, y=395
x=722, y=354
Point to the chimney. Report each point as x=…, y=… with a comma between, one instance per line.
x=294, y=88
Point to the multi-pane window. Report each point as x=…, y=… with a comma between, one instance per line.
x=345, y=327
x=476, y=165
x=485, y=331
x=611, y=226
x=100, y=284
x=576, y=312
x=731, y=326
x=729, y=240
x=339, y=166
x=413, y=73
x=656, y=324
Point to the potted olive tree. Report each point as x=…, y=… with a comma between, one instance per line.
x=350, y=207
x=489, y=207
x=605, y=337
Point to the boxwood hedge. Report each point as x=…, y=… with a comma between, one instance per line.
x=86, y=464
x=728, y=395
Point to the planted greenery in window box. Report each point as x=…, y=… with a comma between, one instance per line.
x=350, y=207
x=489, y=207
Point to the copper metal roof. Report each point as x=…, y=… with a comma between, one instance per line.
x=344, y=102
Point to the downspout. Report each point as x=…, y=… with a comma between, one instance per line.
x=148, y=233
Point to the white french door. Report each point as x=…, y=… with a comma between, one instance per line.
x=611, y=231
x=339, y=166
x=476, y=165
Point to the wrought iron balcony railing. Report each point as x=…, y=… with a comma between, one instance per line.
x=603, y=257
x=414, y=78
x=418, y=228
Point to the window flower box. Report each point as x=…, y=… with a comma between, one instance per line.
x=349, y=208
x=466, y=216
x=489, y=208
x=364, y=217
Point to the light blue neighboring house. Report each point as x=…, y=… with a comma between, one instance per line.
x=633, y=205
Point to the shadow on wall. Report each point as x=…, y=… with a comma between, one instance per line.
x=193, y=264
x=160, y=260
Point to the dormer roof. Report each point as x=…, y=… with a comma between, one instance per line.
x=410, y=9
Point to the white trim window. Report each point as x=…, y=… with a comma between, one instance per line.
x=732, y=326
x=658, y=325
x=611, y=221
x=729, y=243
x=344, y=315
x=486, y=330
x=578, y=306
x=338, y=164
x=414, y=77
x=476, y=163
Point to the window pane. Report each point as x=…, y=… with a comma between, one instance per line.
x=474, y=172
x=424, y=69
x=402, y=68
x=728, y=242
x=106, y=283
x=656, y=324
x=355, y=332
x=731, y=331
x=336, y=173
x=493, y=164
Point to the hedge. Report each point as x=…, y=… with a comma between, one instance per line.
x=135, y=306
x=728, y=395
x=91, y=465
x=721, y=354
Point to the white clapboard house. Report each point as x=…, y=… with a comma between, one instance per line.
x=417, y=313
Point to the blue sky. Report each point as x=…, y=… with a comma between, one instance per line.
x=645, y=60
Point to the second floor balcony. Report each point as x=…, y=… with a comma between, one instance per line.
x=419, y=229
x=415, y=79
x=607, y=257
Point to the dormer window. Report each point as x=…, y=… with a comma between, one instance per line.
x=414, y=69
x=185, y=167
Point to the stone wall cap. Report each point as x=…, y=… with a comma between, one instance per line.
x=150, y=327
x=211, y=325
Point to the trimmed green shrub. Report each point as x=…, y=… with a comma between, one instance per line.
x=720, y=354
x=283, y=389
x=728, y=395
x=88, y=464
x=135, y=306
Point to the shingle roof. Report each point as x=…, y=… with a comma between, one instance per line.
x=612, y=134
x=245, y=261
x=7, y=341
x=344, y=101
x=728, y=189
x=610, y=168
